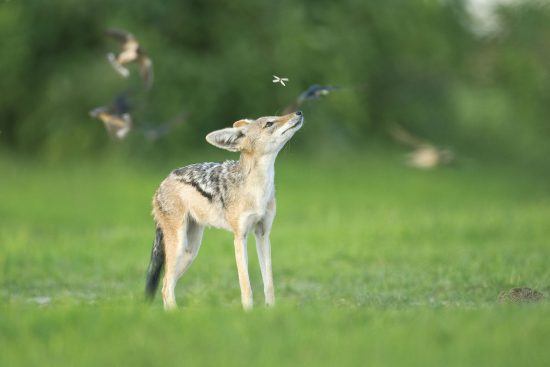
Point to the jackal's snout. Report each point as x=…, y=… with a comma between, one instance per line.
x=292, y=123
x=292, y=118
x=298, y=115
x=297, y=118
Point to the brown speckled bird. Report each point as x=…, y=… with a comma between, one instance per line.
x=520, y=295
x=131, y=52
x=116, y=117
x=424, y=154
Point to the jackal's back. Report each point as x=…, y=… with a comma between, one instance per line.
x=214, y=181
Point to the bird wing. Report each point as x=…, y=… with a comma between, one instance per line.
x=121, y=104
x=315, y=91
x=118, y=127
x=120, y=35
x=401, y=135
x=309, y=93
x=323, y=91
x=114, y=120
x=146, y=70
x=96, y=112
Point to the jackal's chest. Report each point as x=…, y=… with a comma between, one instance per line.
x=249, y=207
x=259, y=197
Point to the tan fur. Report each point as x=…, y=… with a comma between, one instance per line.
x=182, y=212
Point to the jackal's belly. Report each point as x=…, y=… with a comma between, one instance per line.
x=204, y=210
x=209, y=216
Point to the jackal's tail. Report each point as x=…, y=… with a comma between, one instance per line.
x=155, y=266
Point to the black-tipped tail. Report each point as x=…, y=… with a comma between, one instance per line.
x=155, y=266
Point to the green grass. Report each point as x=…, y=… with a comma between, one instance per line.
x=374, y=264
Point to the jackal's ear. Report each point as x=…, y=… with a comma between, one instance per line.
x=230, y=138
x=241, y=123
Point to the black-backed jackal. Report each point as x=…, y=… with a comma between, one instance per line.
x=235, y=195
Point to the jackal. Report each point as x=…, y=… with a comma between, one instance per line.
x=235, y=195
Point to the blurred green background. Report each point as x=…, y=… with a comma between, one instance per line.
x=421, y=64
x=375, y=263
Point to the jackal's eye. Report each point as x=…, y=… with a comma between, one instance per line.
x=268, y=124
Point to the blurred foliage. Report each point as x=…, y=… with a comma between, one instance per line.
x=416, y=63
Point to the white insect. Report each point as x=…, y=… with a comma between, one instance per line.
x=276, y=79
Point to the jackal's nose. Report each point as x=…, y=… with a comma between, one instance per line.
x=298, y=113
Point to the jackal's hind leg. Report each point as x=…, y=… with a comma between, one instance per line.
x=173, y=248
x=181, y=249
x=191, y=245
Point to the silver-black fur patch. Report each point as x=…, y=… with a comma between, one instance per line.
x=211, y=180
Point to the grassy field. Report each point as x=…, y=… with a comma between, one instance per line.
x=375, y=264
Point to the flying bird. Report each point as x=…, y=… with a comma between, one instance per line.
x=424, y=155
x=314, y=91
x=116, y=117
x=131, y=52
x=277, y=79
x=429, y=156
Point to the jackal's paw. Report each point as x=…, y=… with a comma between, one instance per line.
x=248, y=305
x=170, y=305
x=269, y=294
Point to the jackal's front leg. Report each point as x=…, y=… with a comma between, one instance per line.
x=242, y=267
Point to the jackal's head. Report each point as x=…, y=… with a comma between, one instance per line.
x=266, y=135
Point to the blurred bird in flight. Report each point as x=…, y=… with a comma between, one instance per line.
x=313, y=92
x=116, y=117
x=425, y=155
x=131, y=52
x=282, y=81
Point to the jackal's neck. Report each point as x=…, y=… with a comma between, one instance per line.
x=259, y=169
